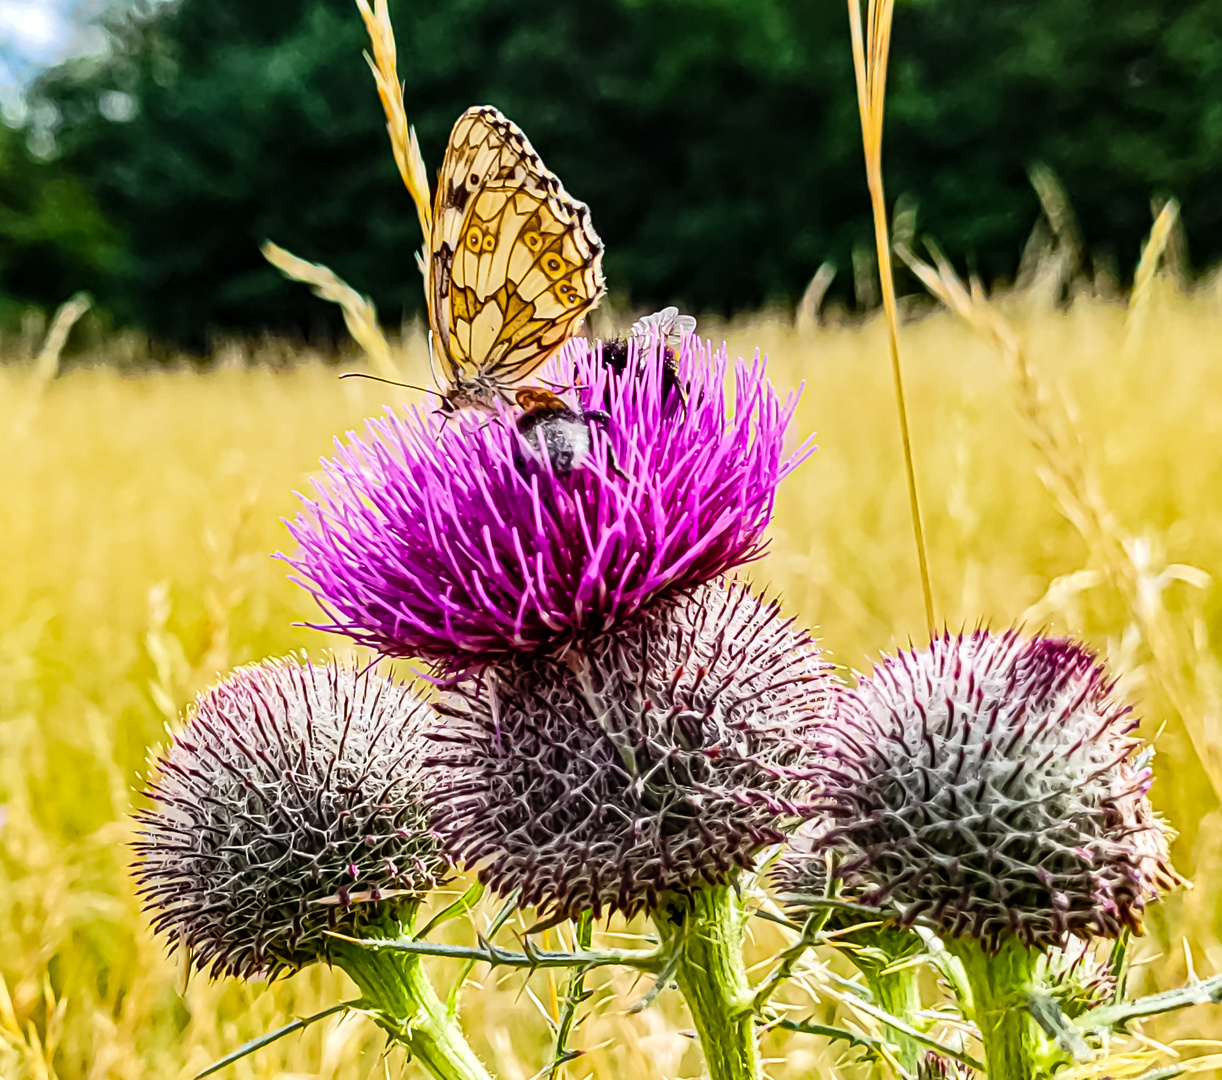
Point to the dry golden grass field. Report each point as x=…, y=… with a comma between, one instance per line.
x=1081, y=492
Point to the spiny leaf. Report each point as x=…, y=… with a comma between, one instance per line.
x=279, y=1033
x=1058, y=1026
x=1208, y=991
x=461, y=906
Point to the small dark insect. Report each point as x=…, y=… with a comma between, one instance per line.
x=563, y=429
x=615, y=356
x=671, y=326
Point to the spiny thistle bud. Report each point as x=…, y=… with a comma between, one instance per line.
x=659, y=758
x=1075, y=978
x=933, y=1066
x=990, y=784
x=289, y=805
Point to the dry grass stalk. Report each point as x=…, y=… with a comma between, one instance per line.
x=870, y=51
x=1152, y=253
x=383, y=64
x=1065, y=471
x=46, y=365
x=360, y=315
x=806, y=318
x=1053, y=256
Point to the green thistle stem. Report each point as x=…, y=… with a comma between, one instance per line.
x=895, y=991
x=899, y=993
x=395, y=988
x=703, y=933
x=1000, y=985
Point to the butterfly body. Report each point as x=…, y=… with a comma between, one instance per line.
x=513, y=264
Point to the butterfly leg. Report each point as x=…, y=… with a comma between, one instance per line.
x=613, y=462
x=445, y=415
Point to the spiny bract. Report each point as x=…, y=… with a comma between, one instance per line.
x=660, y=758
x=989, y=784
x=288, y=806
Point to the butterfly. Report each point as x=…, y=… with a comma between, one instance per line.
x=513, y=262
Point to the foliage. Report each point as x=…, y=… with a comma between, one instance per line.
x=716, y=141
x=54, y=241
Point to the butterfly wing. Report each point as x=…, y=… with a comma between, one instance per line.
x=514, y=262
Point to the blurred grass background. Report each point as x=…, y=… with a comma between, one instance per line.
x=140, y=510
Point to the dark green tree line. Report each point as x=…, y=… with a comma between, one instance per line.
x=716, y=141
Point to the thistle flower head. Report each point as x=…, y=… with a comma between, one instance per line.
x=990, y=784
x=464, y=543
x=659, y=758
x=289, y=805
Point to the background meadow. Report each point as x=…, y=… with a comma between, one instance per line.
x=141, y=506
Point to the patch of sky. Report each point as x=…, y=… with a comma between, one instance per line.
x=38, y=34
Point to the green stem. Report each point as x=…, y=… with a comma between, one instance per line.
x=1000, y=985
x=897, y=992
x=396, y=990
x=704, y=934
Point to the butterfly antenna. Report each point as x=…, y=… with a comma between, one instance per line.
x=389, y=382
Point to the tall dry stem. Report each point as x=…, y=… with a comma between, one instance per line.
x=1143, y=280
x=384, y=65
x=870, y=49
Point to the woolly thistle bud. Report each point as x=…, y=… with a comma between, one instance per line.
x=1075, y=978
x=288, y=806
x=990, y=784
x=659, y=758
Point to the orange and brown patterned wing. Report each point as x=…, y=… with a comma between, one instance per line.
x=514, y=261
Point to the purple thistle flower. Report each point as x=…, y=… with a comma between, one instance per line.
x=464, y=542
x=289, y=805
x=991, y=785
x=659, y=759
